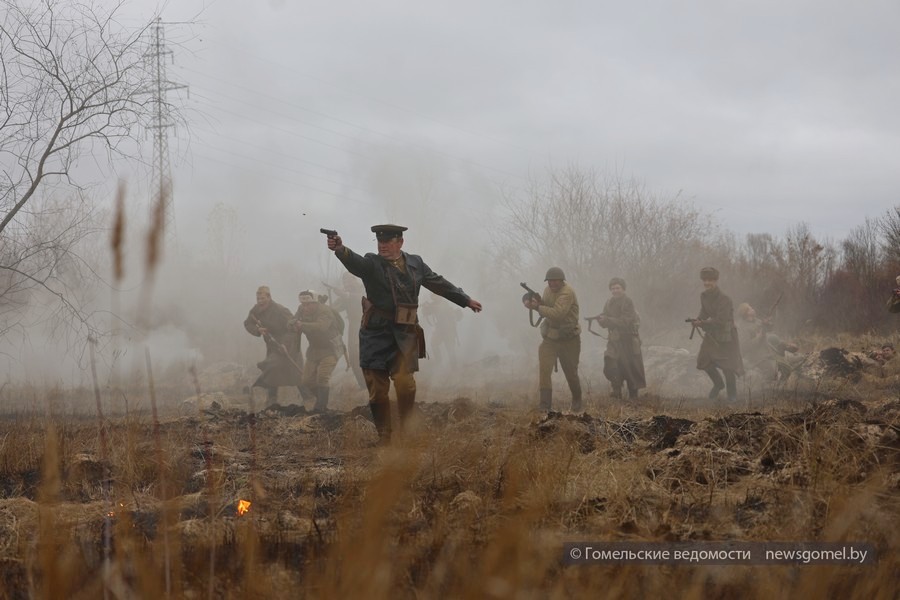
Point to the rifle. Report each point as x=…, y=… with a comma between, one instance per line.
x=529, y=295
x=270, y=338
x=768, y=317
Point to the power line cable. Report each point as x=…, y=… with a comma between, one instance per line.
x=233, y=43
x=368, y=156
x=350, y=123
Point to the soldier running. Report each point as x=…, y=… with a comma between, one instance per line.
x=721, y=348
x=390, y=339
x=283, y=363
x=561, y=333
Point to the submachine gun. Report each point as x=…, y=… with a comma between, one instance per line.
x=590, y=323
x=530, y=294
x=695, y=328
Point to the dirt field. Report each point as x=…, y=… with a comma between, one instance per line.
x=475, y=500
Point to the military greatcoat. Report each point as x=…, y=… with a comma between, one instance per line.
x=721, y=347
x=623, y=359
x=276, y=369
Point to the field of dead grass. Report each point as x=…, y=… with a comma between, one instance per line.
x=475, y=501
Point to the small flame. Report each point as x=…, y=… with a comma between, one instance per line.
x=243, y=506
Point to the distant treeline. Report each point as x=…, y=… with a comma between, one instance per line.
x=596, y=228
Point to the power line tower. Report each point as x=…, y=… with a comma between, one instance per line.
x=161, y=181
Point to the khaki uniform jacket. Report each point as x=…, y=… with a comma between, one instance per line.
x=321, y=330
x=560, y=313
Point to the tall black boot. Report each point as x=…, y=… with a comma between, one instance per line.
x=546, y=399
x=616, y=391
x=731, y=386
x=381, y=415
x=321, y=399
x=271, y=396
x=718, y=384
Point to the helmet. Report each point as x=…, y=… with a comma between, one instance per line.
x=554, y=273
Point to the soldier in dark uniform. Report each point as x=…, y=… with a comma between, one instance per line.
x=721, y=348
x=622, y=361
x=389, y=335
x=269, y=320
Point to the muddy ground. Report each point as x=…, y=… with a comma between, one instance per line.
x=160, y=501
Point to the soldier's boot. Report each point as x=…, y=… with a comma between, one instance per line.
x=406, y=402
x=381, y=415
x=731, y=386
x=271, y=396
x=718, y=384
x=616, y=391
x=576, y=400
x=632, y=393
x=305, y=393
x=321, y=399
x=546, y=400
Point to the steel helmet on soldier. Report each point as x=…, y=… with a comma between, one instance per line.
x=554, y=273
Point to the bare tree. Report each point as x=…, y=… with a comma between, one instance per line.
x=73, y=87
x=862, y=254
x=595, y=227
x=889, y=224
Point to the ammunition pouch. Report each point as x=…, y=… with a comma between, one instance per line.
x=420, y=340
x=406, y=314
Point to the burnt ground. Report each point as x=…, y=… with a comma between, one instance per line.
x=463, y=473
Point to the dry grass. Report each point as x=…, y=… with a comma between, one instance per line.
x=475, y=502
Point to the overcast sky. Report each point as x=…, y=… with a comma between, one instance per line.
x=766, y=113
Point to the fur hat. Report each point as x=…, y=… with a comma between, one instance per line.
x=308, y=296
x=709, y=273
x=617, y=281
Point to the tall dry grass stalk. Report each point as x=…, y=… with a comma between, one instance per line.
x=107, y=475
x=211, y=486
x=161, y=466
